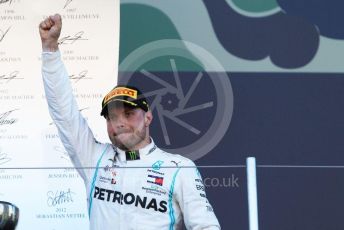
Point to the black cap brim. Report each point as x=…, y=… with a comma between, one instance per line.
x=118, y=103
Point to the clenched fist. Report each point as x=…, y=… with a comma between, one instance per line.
x=50, y=30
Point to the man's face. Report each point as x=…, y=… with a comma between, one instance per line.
x=128, y=127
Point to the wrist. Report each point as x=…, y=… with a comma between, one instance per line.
x=50, y=47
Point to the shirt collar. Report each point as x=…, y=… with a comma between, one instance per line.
x=138, y=154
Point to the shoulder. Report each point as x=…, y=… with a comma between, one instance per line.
x=102, y=149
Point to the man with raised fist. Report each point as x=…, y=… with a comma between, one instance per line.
x=130, y=183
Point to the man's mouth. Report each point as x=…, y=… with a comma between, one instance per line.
x=120, y=133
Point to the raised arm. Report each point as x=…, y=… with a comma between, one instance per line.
x=73, y=129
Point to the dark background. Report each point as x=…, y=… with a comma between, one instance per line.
x=288, y=118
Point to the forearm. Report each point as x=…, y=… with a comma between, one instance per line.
x=73, y=129
x=57, y=87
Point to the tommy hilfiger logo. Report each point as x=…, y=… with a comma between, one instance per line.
x=132, y=155
x=155, y=180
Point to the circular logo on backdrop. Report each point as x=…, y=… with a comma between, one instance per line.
x=191, y=103
x=261, y=8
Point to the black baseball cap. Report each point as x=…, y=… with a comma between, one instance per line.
x=124, y=94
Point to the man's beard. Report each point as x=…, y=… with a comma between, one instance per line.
x=131, y=140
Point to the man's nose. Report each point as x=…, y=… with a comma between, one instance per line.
x=119, y=122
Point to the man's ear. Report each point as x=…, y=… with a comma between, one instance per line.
x=148, y=118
